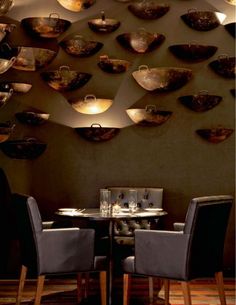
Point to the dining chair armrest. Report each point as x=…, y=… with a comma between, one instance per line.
x=67, y=250
x=47, y=224
x=154, y=253
x=178, y=226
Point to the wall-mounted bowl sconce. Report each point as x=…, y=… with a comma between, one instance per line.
x=76, y=5
x=5, y=6
x=5, y=131
x=200, y=102
x=28, y=148
x=148, y=9
x=6, y=64
x=90, y=104
x=103, y=24
x=193, y=51
x=232, y=2
x=215, y=135
x=149, y=116
x=17, y=87
x=46, y=27
x=32, y=59
x=32, y=118
x=97, y=133
x=6, y=28
x=203, y=20
x=111, y=65
x=232, y=91
x=65, y=79
x=230, y=27
x=79, y=46
x=5, y=96
x=140, y=41
x=224, y=66
x=161, y=79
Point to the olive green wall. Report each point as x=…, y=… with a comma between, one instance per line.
x=72, y=170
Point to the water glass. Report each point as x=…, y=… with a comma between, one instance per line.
x=133, y=199
x=105, y=201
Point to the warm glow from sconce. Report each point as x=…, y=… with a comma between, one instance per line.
x=233, y=2
x=5, y=6
x=220, y=16
x=91, y=105
x=76, y=5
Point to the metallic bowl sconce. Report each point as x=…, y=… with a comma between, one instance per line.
x=5, y=96
x=97, y=133
x=224, y=66
x=28, y=148
x=65, y=79
x=77, y=45
x=200, y=102
x=17, y=87
x=141, y=41
x=193, y=51
x=215, y=135
x=203, y=20
x=103, y=24
x=32, y=118
x=5, y=6
x=230, y=28
x=76, y=5
x=148, y=9
x=161, y=79
x=32, y=59
x=5, y=131
x=90, y=104
x=149, y=116
x=232, y=2
x=113, y=65
x=6, y=64
x=6, y=28
x=46, y=27
x=232, y=91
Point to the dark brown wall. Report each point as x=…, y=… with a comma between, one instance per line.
x=72, y=170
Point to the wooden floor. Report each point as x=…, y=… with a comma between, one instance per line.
x=63, y=292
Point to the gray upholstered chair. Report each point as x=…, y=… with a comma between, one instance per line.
x=54, y=250
x=195, y=252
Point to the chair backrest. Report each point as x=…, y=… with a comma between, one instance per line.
x=147, y=197
x=206, y=223
x=29, y=223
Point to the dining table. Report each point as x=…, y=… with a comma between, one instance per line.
x=94, y=214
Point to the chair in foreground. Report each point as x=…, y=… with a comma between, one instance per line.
x=195, y=252
x=54, y=251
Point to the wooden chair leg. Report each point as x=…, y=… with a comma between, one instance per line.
x=39, y=289
x=79, y=287
x=150, y=286
x=126, y=288
x=166, y=291
x=103, y=287
x=21, y=284
x=186, y=292
x=220, y=286
x=86, y=285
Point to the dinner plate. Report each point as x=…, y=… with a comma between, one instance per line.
x=124, y=210
x=67, y=210
x=153, y=209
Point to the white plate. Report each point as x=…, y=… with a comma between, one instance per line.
x=153, y=209
x=124, y=210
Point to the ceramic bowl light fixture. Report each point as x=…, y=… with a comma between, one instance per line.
x=76, y=5
x=5, y=6
x=224, y=66
x=231, y=28
x=5, y=96
x=203, y=20
x=6, y=28
x=5, y=131
x=32, y=118
x=90, y=104
x=18, y=87
x=111, y=65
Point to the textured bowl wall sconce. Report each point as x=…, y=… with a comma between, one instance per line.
x=103, y=24
x=215, y=135
x=97, y=133
x=76, y=5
